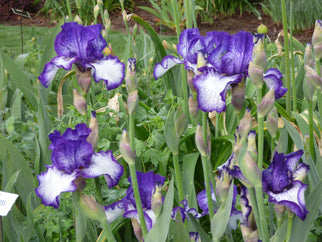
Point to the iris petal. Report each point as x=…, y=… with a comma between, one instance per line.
x=212, y=89
x=293, y=198
x=149, y=217
x=111, y=70
x=272, y=78
x=48, y=74
x=166, y=64
x=104, y=163
x=52, y=183
x=114, y=210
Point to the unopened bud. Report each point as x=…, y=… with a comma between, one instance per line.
x=193, y=107
x=93, y=136
x=132, y=101
x=259, y=55
x=308, y=55
x=135, y=30
x=180, y=122
x=272, y=122
x=100, y=3
x=266, y=104
x=222, y=185
x=248, y=234
x=151, y=61
x=137, y=229
x=245, y=124
x=317, y=40
x=166, y=44
x=108, y=25
x=203, y=148
x=190, y=76
x=262, y=29
x=84, y=79
x=78, y=20
x=125, y=148
x=130, y=79
x=156, y=200
x=308, y=89
x=124, y=15
x=238, y=95
x=80, y=102
x=279, y=211
x=306, y=142
x=312, y=77
x=96, y=11
x=256, y=74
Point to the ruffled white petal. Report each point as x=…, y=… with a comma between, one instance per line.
x=114, y=211
x=48, y=75
x=64, y=62
x=52, y=183
x=166, y=64
x=104, y=163
x=111, y=70
x=149, y=217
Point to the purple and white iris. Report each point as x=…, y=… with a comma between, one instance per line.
x=126, y=207
x=282, y=181
x=83, y=46
x=184, y=211
x=72, y=157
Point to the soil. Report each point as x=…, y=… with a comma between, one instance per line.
x=231, y=24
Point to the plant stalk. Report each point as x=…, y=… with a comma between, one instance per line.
x=178, y=176
x=292, y=57
x=289, y=226
x=253, y=200
x=262, y=214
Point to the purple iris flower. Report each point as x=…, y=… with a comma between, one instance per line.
x=83, y=46
x=184, y=211
x=282, y=181
x=127, y=206
x=72, y=157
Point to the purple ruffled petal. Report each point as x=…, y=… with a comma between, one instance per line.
x=111, y=70
x=203, y=202
x=272, y=78
x=212, y=88
x=52, y=183
x=104, y=163
x=149, y=217
x=48, y=74
x=293, y=198
x=189, y=45
x=115, y=210
x=166, y=64
x=301, y=171
x=184, y=211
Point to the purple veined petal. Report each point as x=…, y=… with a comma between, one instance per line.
x=189, y=44
x=272, y=78
x=175, y=212
x=114, y=210
x=54, y=139
x=245, y=206
x=52, y=183
x=238, y=55
x=184, y=211
x=80, y=132
x=104, y=163
x=64, y=62
x=149, y=217
x=293, y=198
x=111, y=70
x=166, y=64
x=48, y=74
x=203, y=202
x=292, y=159
x=212, y=88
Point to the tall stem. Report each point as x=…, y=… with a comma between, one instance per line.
x=287, y=59
x=253, y=200
x=289, y=226
x=178, y=176
x=262, y=214
x=292, y=57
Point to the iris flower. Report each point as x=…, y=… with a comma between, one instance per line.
x=126, y=207
x=72, y=157
x=282, y=181
x=184, y=211
x=83, y=46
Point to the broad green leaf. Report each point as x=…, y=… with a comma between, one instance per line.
x=30, y=215
x=80, y=226
x=170, y=134
x=280, y=233
x=20, y=80
x=203, y=235
x=221, y=218
x=11, y=182
x=189, y=165
x=159, y=231
x=15, y=107
x=294, y=134
x=179, y=232
x=301, y=229
x=13, y=161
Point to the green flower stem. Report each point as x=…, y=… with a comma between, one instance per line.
x=137, y=198
x=287, y=59
x=185, y=92
x=311, y=141
x=217, y=126
x=253, y=200
x=178, y=176
x=107, y=232
x=272, y=146
x=292, y=57
x=187, y=6
x=69, y=9
x=262, y=214
x=131, y=131
x=289, y=226
x=260, y=121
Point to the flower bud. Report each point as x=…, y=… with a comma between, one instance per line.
x=308, y=56
x=84, y=79
x=259, y=55
x=266, y=104
x=78, y=20
x=132, y=101
x=222, y=185
x=80, y=102
x=180, y=122
x=201, y=146
x=125, y=148
x=238, y=95
x=135, y=30
x=308, y=89
x=248, y=234
x=262, y=29
x=190, y=76
x=272, y=122
x=108, y=25
x=130, y=79
x=137, y=229
x=96, y=11
x=100, y=3
x=193, y=107
x=245, y=124
x=256, y=74
x=306, y=143
x=317, y=40
x=93, y=136
x=166, y=44
x=312, y=77
x=279, y=211
x=156, y=199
